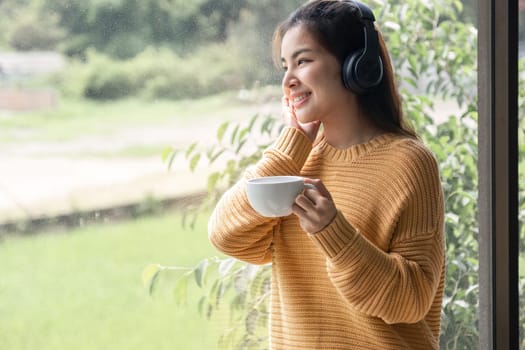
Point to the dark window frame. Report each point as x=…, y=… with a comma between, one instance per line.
x=498, y=174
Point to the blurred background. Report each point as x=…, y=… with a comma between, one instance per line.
x=92, y=93
x=108, y=109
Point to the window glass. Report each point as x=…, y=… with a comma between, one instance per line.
x=121, y=124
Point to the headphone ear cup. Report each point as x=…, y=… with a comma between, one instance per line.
x=349, y=72
x=361, y=75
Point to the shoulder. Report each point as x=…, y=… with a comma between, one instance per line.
x=409, y=152
x=410, y=160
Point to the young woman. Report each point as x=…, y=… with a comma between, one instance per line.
x=360, y=262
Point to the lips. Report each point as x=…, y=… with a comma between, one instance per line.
x=299, y=99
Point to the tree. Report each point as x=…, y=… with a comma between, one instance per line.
x=253, y=32
x=33, y=32
x=123, y=28
x=22, y=28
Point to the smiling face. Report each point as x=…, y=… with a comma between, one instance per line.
x=312, y=78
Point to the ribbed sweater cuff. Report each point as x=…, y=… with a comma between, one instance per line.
x=335, y=237
x=295, y=144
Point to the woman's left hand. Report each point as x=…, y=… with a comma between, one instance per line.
x=290, y=119
x=314, y=208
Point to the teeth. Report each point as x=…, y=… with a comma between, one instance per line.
x=300, y=98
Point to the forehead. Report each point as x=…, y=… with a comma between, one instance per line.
x=296, y=38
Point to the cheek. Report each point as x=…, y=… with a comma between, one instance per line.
x=334, y=83
x=329, y=78
x=337, y=78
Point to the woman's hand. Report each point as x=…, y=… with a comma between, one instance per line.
x=290, y=119
x=314, y=208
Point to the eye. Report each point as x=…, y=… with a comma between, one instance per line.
x=284, y=68
x=303, y=61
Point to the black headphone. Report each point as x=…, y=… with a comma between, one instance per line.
x=362, y=69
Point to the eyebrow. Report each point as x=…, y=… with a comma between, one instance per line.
x=297, y=53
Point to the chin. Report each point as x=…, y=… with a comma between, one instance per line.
x=306, y=119
x=307, y=114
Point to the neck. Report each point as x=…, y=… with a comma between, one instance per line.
x=350, y=129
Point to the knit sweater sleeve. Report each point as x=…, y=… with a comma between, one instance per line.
x=234, y=227
x=397, y=285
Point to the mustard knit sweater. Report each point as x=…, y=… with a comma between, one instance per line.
x=374, y=277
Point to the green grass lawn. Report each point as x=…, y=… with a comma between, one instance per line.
x=83, y=289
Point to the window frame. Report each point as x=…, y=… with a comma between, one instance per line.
x=498, y=161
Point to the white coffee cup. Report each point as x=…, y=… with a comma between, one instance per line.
x=273, y=196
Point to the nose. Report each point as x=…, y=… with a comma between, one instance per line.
x=289, y=80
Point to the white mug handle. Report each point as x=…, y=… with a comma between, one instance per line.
x=310, y=186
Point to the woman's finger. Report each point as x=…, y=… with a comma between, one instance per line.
x=305, y=203
x=319, y=185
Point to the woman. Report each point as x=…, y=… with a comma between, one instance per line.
x=360, y=262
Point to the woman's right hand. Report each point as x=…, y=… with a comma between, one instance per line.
x=290, y=119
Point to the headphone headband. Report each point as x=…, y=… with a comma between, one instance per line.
x=365, y=13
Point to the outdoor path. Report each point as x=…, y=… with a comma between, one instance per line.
x=36, y=187
x=43, y=179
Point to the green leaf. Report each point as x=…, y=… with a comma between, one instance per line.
x=180, y=291
x=252, y=122
x=251, y=321
x=242, y=134
x=212, y=181
x=230, y=167
x=214, y=157
x=200, y=305
x=240, y=146
x=167, y=152
x=194, y=161
x=221, y=130
x=234, y=134
x=200, y=272
x=150, y=275
x=257, y=283
x=172, y=158
x=190, y=149
x=266, y=125
x=522, y=266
